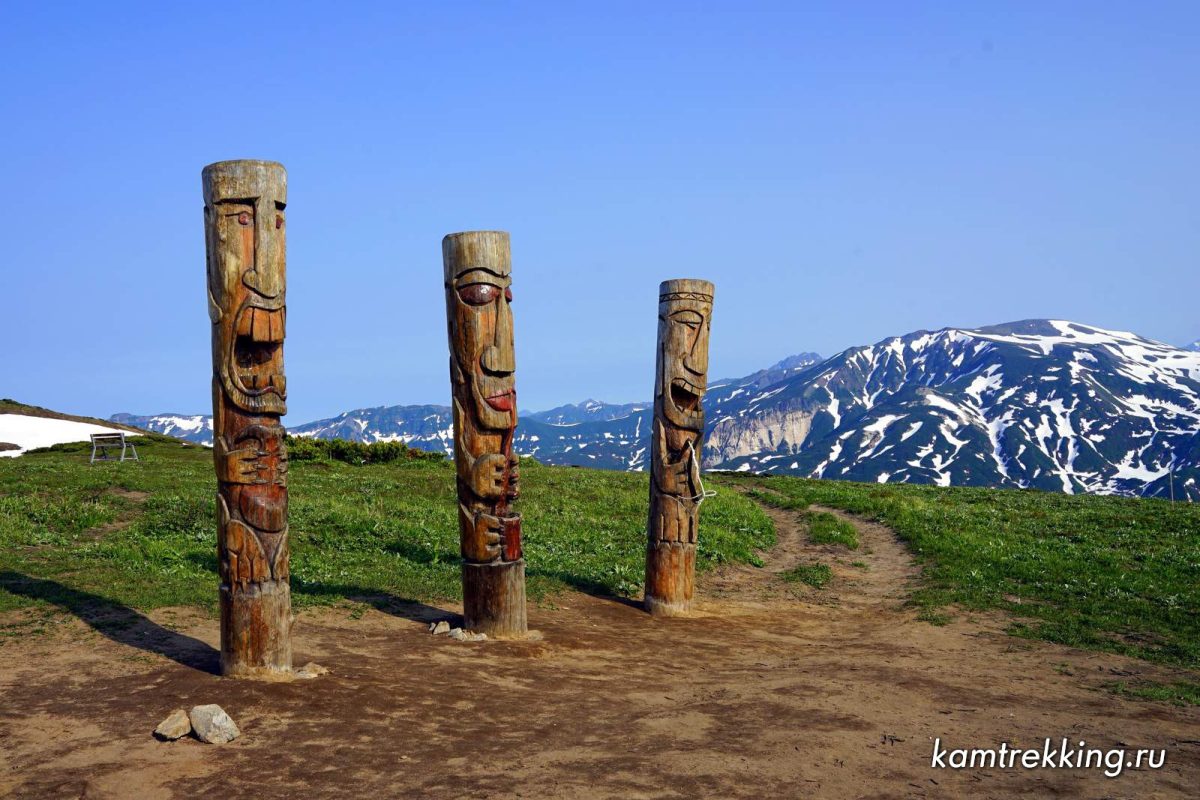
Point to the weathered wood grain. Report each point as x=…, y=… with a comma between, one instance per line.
x=477, y=270
x=244, y=226
x=681, y=379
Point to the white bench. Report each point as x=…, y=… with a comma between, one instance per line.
x=102, y=442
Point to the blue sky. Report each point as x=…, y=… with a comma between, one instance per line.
x=842, y=172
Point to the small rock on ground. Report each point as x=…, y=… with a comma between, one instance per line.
x=175, y=726
x=438, y=627
x=458, y=634
x=311, y=670
x=211, y=724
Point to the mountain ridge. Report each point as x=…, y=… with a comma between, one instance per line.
x=1037, y=403
x=1046, y=404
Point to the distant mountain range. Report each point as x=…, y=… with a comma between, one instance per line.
x=587, y=411
x=591, y=433
x=191, y=427
x=1045, y=404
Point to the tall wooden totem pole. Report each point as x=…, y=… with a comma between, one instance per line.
x=478, y=281
x=244, y=233
x=684, y=316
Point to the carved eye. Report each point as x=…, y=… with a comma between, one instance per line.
x=689, y=318
x=244, y=218
x=479, y=294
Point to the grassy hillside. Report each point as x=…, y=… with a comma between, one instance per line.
x=143, y=534
x=1107, y=573
x=10, y=406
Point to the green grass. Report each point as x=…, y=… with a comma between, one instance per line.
x=825, y=528
x=73, y=534
x=1107, y=573
x=815, y=575
x=1181, y=693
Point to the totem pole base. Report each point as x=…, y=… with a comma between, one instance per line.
x=256, y=624
x=670, y=578
x=494, y=599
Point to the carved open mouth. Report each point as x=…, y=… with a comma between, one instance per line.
x=258, y=351
x=685, y=396
x=502, y=402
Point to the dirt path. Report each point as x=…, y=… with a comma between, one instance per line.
x=768, y=691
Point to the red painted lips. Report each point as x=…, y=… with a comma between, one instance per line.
x=503, y=401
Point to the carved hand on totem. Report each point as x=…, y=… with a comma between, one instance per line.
x=249, y=465
x=681, y=478
x=258, y=456
x=484, y=546
x=490, y=537
x=494, y=476
x=680, y=475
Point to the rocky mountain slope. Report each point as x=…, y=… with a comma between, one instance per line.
x=192, y=427
x=591, y=433
x=1040, y=403
x=426, y=427
x=587, y=411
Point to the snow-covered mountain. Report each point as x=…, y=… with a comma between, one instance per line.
x=425, y=427
x=721, y=390
x=592, y=433
x=192, y=427
x=604, y=443
x=1041, y=403
x=587, y=411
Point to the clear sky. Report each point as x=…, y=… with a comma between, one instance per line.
x=842, y=172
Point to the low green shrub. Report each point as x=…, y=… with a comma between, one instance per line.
x=304, y=448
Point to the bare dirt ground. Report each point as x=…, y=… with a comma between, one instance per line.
x=769, y=691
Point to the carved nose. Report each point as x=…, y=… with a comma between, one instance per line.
x=498, y=357
x=267, y=280
x=267, y=276
x=697, y=359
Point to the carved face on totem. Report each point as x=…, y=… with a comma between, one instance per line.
x=684, y=318
x=246, y=278
x=479, y=298
x=244, y=205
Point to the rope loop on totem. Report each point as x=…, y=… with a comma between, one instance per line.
x=704, y=493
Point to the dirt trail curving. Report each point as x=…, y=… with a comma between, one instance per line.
x=769, y=690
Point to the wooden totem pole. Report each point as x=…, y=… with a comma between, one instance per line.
x=244, y=233
x=684, y=316
x=478, y=280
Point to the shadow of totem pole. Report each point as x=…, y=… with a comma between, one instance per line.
x=244, y=233
x=676, y=491
x=478, y=281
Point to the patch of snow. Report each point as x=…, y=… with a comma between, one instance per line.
x=31, y=432
x=832, y=408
